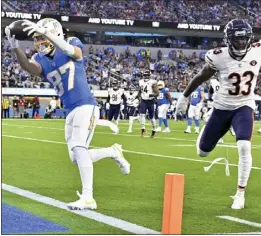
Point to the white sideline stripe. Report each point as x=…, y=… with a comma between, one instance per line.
x=247, y=233
x=126, y=135
x=129, y=151
x=114, y=222
x=231, y=218
x=218, y=145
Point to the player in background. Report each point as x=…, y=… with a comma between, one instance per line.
x=237, y=66
x=258, y=91
x=60, y=62
x=115, y=96
x=164, y=100
x=148, y=92
x=173, y=108
x=196, y=103
x=258, y=108
x=212, y=94
x=132, y=104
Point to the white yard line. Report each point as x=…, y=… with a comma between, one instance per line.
x=129, y=151
x=218, y=145
x=254, y=233
x=112, y=221
x=124, y=135
x=237, y=220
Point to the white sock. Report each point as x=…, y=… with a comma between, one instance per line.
x=199, y=151
x=245, y=162
x=101, y=153
x=103, y=123
x=117, y=122
x=240, y=192
x=131, y=118
x=153, y=123
x=85, y=167
x=142, y=120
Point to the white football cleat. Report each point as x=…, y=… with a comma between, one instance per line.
x=120, y=160
x=239, y=202
x=167, y=130
x=196, y=130
x=187, y=131
x=232, y=131
x=221, y=140
x=114, y=128
x=158, y=129
x=82, y=204
x=129, y=131
x=116, y=132
x=259, y=131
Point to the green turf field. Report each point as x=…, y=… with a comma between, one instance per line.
x=31, y=161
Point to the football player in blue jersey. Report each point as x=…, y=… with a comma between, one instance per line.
x=196, y=102
x=164, y=100
x=60, y=62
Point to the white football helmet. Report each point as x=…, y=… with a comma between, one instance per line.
x=43, y=44
x=161, y=84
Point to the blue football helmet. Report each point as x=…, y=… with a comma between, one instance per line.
x=238, y=37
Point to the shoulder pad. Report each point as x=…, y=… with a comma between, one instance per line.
x=212, y=57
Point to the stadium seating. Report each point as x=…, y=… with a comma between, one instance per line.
x=198, y=11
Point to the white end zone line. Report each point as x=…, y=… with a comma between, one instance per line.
x=231, y=218
x=129, y=151
x=114, y=222
x=126, y=135
x=218, y=145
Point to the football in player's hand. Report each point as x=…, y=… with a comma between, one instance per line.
x=16, y=29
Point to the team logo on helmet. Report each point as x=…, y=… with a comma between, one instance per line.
x=253, y=63
x=238, y=37
x=43, y=44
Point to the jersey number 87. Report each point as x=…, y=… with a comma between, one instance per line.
x=55, y=78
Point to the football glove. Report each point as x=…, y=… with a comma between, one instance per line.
x=181, y=105
x=199, y=105
x=33, y=28
x=11, y=39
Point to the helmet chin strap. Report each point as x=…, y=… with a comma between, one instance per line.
x=51, y=53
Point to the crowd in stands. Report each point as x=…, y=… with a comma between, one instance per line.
x=197, y=11
x=102, y=66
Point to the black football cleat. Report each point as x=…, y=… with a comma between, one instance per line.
x=143, y=132
x=153, y=133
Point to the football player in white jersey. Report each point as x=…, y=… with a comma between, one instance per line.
x=148, y=92
x=115, y=96
x=132, y=104
x=212, y=93
x=237, y=66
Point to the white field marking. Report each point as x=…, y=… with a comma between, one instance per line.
x=126, y=135
x=218, y=145
x=258, y=233
x=179, y=131
x=109, y=220
x=129, y=151
x=124, y=124
x=120, y=121
x=231, y=218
